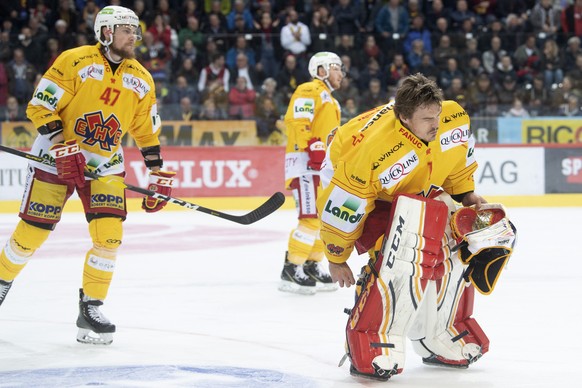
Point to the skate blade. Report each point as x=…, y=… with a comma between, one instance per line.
x=433, y=361
x=326, y=287
x=86, y=336
x=295, y=288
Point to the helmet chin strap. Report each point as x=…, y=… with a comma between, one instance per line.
x=325, y=81
x=107, y=52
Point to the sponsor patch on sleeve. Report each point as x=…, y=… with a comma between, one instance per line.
x=47, y=94
x=303, y=108
x=343, y=211
x=455, y=137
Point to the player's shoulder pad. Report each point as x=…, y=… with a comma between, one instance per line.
x=73, y=60
x=453, y=114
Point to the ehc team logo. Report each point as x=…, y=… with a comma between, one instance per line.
x=95, y=130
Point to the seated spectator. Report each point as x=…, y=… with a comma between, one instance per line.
x=153, y=56
x=13, y=111
x=391, y=25
x=372, y=71
x=191, y=32
x=545, y=19
x=396, y=70
x=572, y=107
x=414, y=58
x=480, y=94
x=323, y=29
x=455, y=90
x=161, y=32
x=269, y=46
x=507, y=91
x=186, y=51
x=180, y=89
x=351, y=71
x=536, y=97
x=373, y=96
x=460, y=14
x=347, y=91
x=570, y=53
x=527, y=60
x=571, y=21
x=267, y=117
x=503, y=69
x=427, y=67
x=473, y=69
x=517, y=109
x=560, y=94
x=296, y=38
x=210, y=111
x=270, y=91
x=552, y=63
x=349, y=110
x=451, y=71
x=188, y=71
x=215, y=71
x=371, y=51
x=443, y=52
x=241, y=46
x=437, y=10
x=241, y=100
x=417, y=31
x=21, y=77
x=61, y=33
x=491, y=57
x=185, y=110
x=290, y=76
x=243, y=69
x=240, y=11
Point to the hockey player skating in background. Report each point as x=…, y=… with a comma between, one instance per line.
x=311, y=116
x=389, y=181
x=83, y=105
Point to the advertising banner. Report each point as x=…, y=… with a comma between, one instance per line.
x=215, y=171
x=543, y=130
x=564, y=170
x=510, y=170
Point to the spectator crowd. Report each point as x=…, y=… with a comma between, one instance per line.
x=242, y=59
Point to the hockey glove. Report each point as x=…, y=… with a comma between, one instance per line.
x=316, y=151
x=69, y=161
x=486, y=240
x=160, y=182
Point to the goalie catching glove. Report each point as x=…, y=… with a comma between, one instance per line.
x=69, y=161
x=161, y=182
x=485, y=240
x=316, y=151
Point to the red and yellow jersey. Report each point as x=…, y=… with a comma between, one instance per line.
x=373, y=157
x=97, y=107
x=312, y=112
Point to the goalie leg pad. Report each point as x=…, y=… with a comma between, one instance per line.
x=393, y=290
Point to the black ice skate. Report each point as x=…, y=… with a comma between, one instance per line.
x=316, y=271
x=4, y=288
x=293, y=279
x=94, y=327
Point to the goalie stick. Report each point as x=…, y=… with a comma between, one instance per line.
x=268, y=207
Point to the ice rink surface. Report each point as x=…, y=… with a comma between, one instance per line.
x=196, y=304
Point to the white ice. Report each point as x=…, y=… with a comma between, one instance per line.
x=196, y=304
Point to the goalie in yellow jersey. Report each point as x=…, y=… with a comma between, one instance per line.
x=390, y=181
x=311, y=116
x=83, y=105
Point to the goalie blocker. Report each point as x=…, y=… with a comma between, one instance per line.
x=415, y=288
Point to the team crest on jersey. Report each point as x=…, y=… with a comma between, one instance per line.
x=96, y=131
x=93, y=71
x=135, y=84
x=325, y=97
x=303, y=108
x=47, y=94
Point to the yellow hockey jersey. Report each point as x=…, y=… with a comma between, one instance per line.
x=312, y=112
x=97, y=107
x=373, y=157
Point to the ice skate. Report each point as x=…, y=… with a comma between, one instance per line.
x=4, y=288
x=317, y=272
x=94, y=327
x=294, y=279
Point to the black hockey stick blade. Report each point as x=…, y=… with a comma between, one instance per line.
x=272, y=204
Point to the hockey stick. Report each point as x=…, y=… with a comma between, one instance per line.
x=272, y=204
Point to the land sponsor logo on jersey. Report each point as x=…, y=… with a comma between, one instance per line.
x=399, y=170
x=304, y=108
x=455, y=137
x=135, y=84
x=343, y=210
x=93, y=71
x=47, y=94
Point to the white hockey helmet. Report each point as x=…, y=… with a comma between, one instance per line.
x=113, y=16
x=324, y=59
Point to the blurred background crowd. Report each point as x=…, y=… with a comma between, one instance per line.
x=242, y=59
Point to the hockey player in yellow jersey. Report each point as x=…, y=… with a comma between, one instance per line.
x=83, y=105
x=311, y=116
x=390, y=181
